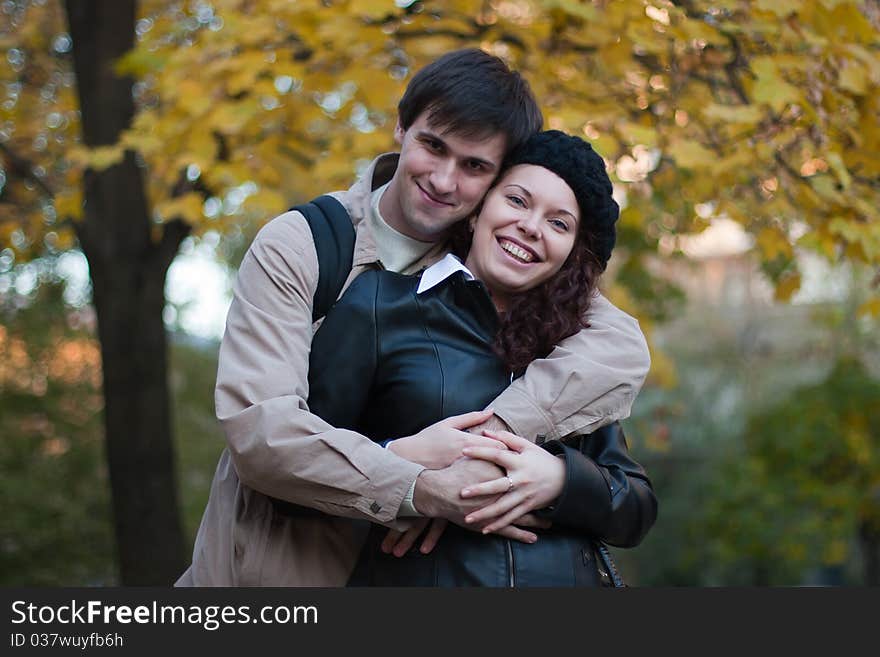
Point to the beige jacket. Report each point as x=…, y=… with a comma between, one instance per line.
x=277, y=448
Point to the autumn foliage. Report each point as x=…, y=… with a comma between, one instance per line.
x=764, y=112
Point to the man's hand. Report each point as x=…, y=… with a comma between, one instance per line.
x=440, y=444
x=492, y=423
x=399, y=543
x=437, y=495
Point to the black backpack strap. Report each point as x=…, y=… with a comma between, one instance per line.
x=333, y=234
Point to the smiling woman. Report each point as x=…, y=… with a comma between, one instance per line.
x=524, y=233
x=540, y=242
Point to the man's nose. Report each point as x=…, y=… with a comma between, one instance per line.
x=444, y=178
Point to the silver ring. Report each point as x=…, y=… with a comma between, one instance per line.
x=509, y=483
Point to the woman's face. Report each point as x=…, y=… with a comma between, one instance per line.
x=524, y=233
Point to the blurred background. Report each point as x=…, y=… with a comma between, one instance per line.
x=142, y=145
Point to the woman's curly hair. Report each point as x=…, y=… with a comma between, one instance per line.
x=538, y=319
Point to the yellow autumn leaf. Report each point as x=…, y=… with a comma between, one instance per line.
x=787, y=286
x=230, y=118
x=663, y=372
x=634, y=133
x=866, y=58
x=773, y=244
x=201, y=146
x=99, y=158
x=577, y=8
x=267, y=202
x=839, y=168
x=742, y=114
x=247, y=67
x=66, y=240
x=771, y=88
x=738, y=163
x=379, y=89
x=647, y=37
x=782, y=8
x=870, y=307
x=194, y=98
x=139, y=62
x=69, y=203
x=826, y=187
x=854, y=78
x=821, y=242
x=690, y=154
x=187, y=207
x=372, y=8
x=146, y=143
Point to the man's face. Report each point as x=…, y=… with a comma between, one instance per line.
x=440, y=179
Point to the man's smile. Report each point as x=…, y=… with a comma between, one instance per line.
x=433, y=200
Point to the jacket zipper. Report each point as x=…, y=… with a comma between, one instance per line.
x=510, y=565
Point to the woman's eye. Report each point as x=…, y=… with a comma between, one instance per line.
x=559, y=223
x=516, y=200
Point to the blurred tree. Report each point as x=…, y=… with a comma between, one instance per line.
x=229, y=110
x=804, y=484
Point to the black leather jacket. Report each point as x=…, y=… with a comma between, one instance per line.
x=387, y=362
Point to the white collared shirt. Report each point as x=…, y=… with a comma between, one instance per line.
x=397, y=252
x=440, y=271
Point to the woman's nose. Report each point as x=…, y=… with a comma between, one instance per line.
x=529, y=225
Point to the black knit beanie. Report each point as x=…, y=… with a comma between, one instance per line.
x=574, y=160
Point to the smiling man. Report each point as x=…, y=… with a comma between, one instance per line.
x=458, y=119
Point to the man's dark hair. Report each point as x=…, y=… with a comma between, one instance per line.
x=473, y=94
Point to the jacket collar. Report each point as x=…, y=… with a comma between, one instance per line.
x=358, y=197
x=357, y=200
x=440, y=271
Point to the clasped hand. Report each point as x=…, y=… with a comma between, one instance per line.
x=488, y=506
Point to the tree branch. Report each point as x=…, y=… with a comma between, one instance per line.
x=173, y=233
x=25, y=169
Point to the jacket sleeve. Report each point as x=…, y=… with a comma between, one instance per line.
x=278, y=446
x=588, y=381
x=607, y=494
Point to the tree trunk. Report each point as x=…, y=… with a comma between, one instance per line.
x=127, y=268
x=869, y=539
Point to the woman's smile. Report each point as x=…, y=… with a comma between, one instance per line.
x=520, y=253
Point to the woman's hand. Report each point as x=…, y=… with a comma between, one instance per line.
x=440, y=444
x=534, y=479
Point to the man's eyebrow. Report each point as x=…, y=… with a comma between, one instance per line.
x=486, y=163
x=433, y=136
x=424, y=134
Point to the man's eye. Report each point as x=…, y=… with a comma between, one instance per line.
x=475, y=166
x=433, y=144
